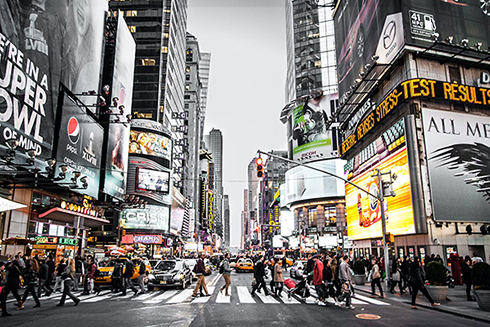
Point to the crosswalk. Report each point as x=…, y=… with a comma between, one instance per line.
x=239, y=295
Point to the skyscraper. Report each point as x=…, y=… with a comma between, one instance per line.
x=226, y=220
x=214, y=143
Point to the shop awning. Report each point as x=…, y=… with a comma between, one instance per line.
x=64, y=215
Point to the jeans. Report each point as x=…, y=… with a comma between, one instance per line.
x=320, y=291
x=77, y=281
x=116, y=284
x=30, y=289
x=59, y=282
x=5, y=292
x=43, y=285
x=260, y=283
x=376, y=281
x=227, y=283
x=127, y=282
x=67, y=291
x=346, y=296
x=200, y=281
x=141, y=282
x=415, y=290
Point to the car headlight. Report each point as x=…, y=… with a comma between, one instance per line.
x=110, y=273
x=151, y=276
x=179, y=276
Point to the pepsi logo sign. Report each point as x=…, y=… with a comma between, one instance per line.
x=73, y=130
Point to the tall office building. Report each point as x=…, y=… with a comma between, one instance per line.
x=159, y=29
x=226, y=221
x=310, y=41
x=214, y=143
x=204, y=69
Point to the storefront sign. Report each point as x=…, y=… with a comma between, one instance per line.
x=147, y=239
x=150, y=218
x=67, y=241
x=46, y=240
x=414, y=88
x=210, y=210
x=312, y=230
x=329, y=229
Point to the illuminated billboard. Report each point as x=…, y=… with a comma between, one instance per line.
x=387, y=153
x=116, y=167
x=153, y=180
x=150, y=218
x=151, y=144
x=311, y=136
x=458, y=151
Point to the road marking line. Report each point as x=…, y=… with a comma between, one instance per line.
x=370, y=300
x=291, y=300
x=244, y=295
x=222, y=298
x=181, y=297
x=162, y=297
x=267, y=299
x=204, y=299
x=97, y=299
x=143, y=297
x=215, y=280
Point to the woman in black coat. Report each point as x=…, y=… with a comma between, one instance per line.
x=466, y=271
x=417, y=282
x=12, y=285
x=30, y=277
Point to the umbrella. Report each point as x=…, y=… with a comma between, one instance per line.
x=17, y=241
x=116, y=248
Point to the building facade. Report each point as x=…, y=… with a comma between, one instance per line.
x=214, y=143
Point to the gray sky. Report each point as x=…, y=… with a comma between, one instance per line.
x=247, y=42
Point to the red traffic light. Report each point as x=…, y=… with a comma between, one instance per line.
x=260, y=167
x=259, y=161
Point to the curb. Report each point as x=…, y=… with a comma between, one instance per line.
x=459, y=314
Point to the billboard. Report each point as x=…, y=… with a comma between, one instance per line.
x=38, y=49
x=153, y=180
x=135, y=165
x=387, y=153
x=458, y=148
x=467, y=19
x=151, y=144
x=122, y=87
x=177, y=214
x=150, y=218
x=79, y=146
x=311, y=136
x=364, y=28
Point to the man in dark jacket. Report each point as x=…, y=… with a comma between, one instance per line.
x=117, y=276
x=128, y=273
x=310, y=264
x=43, y=274
x=51, y=265
x=259, y=275
x=142, y=276
x=200, y=269
x=78, y=272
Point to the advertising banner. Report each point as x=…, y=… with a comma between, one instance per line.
x=151, y=144
x=122, y=88
x=387, y=153
x=466, y=19
x=458, y=151
x=311, y=138
x=150, y=218
x=155, y=171
x=177, y=214
x=79, y=147
x=364, y=28
x=38, y=49
x=153, y=180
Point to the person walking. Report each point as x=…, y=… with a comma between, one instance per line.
x=309, y=268
x=117, y=276
x=345, y=277
x=31, y=280
x=126, y=278
x=259, y=275
x=396, y=276
x=405, y=269
x=142, y=275
x=417, y=281
x=59, y=271
x=278, y=278
x=376, y=273
x=318, y=280
x=200, y=269
x=91, y=285
x=466, y=270
x=42, y=275
x=328, y=279
x=79, y=272
x=11, y=285
x=68, y=277
x=226, y=274
x=51, y=269
x=284, y=263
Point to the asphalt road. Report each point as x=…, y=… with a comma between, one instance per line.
x=173, y=307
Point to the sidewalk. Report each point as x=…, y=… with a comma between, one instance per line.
x=458, y=305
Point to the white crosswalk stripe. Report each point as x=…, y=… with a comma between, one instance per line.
x=222, y=298
x=244, y=295
x=204, y=299
x=162, y=297
x=143, y=297
x=370, y=300
x=181, y=297
x=267, y=298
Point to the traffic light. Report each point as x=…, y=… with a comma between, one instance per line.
x=123, y=233
x=389, y=238
x=260, y=167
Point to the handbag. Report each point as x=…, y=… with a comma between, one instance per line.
x=254, y=282
x=370, y=277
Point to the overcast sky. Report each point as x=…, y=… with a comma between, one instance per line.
x=247, y=42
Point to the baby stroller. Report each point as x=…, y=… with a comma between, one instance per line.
x=300, y=288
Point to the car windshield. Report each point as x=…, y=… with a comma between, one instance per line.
x=169, y=265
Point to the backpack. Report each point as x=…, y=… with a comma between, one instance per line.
x=117, y=271
x=222, y=268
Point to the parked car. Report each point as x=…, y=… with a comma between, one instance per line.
x=169, y=273
x=244, y=265
x=297, y=269
x=107, y=268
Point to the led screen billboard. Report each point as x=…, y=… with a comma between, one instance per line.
x=149, y=143
x=152, y=197
x=79, y=147
x=177, y=213
x=364, y=28
x=458, y=151
x=153, y=180
x=38, y=49
x=150, y=218
x=311, y=136
x=463, y=19
x=387, y=153
x=118, y=135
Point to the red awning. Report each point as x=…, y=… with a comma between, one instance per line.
x=64, y=215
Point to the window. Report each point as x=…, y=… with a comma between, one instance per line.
x=132, y=29
x=148, y=62
x=454, y=74
x=131, y=13
x=164, y=49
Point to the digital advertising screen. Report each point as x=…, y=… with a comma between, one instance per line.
x=311, y=136
x=458, y=152
x=150, y=143
x=389, y=154
x=79, y=147
x=153, y=180
x=152, y=217
x=364, y=28
x=122, y=87
x=177, y=213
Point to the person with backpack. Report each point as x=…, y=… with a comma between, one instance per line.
x=259, y=275
x=68, y=277
x=225, y=270
x=142, y=276
x=127, y=275
x=117, y=276
x=200, y=269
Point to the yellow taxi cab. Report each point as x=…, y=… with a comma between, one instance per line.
x=107, y=268
x=289, y=262
x=244, y=265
